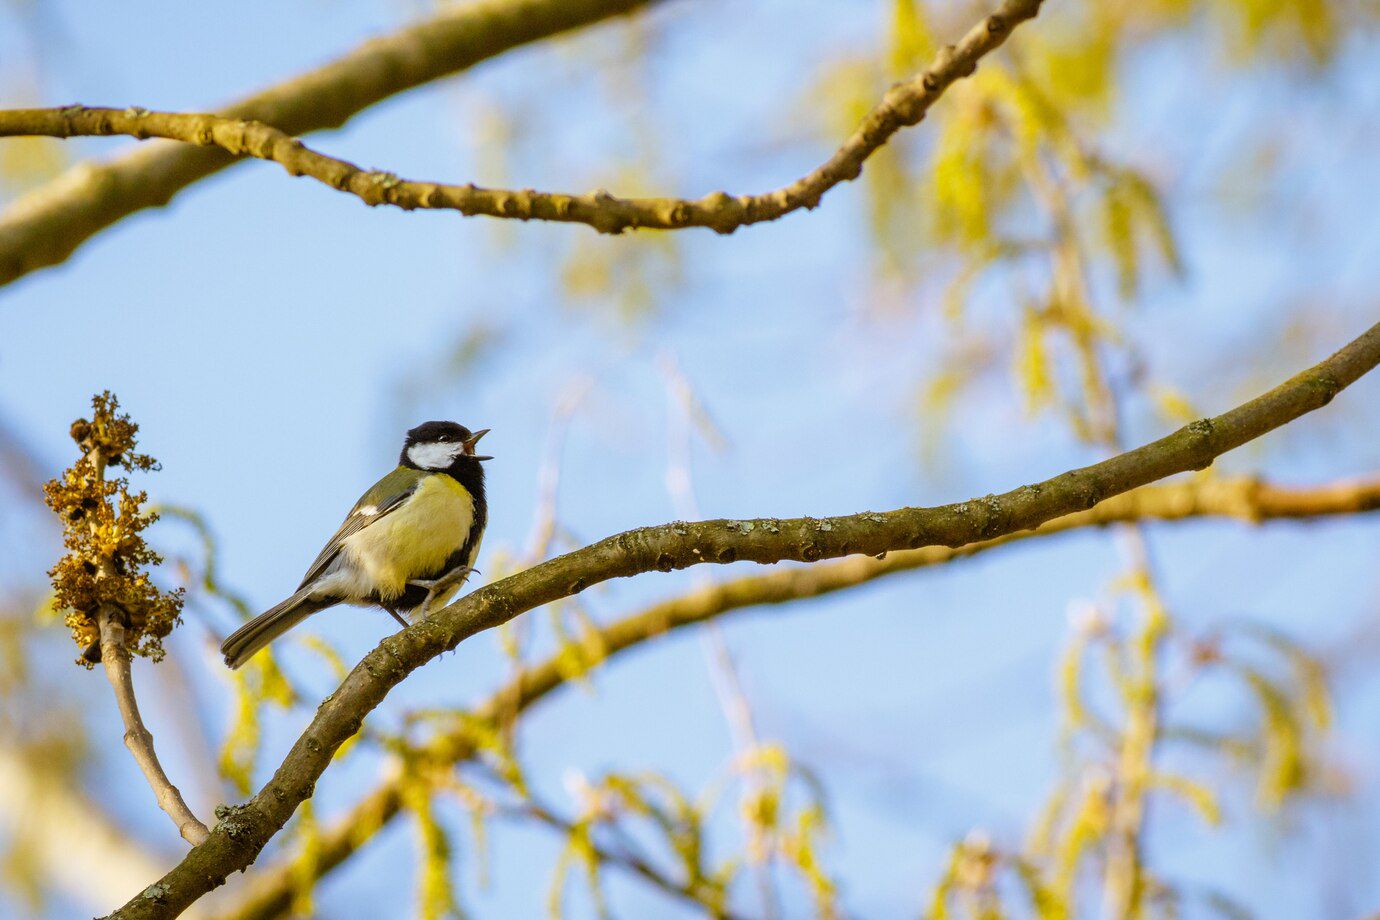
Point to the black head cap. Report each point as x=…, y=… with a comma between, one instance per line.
x=445, y=433
x=429, y=432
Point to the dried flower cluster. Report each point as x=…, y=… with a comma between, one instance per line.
x=106, y=554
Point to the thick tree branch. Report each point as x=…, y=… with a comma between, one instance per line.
x=244, y=830
x=905, y=104
x=47, y=225
x=1242, y=498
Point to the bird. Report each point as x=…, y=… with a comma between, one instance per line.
x=408, y=543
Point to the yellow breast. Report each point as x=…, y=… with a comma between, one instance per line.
x=414, y=541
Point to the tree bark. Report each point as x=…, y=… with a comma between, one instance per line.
x=245, y=830
x=904, y=105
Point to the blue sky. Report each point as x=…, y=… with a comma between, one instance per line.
x=260, y=330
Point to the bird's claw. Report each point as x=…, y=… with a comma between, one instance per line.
x=437, y=587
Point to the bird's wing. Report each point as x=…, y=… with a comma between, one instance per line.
x=384, y=497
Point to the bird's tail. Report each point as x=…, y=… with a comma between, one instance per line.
x=241, y=644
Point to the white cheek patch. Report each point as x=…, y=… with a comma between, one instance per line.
x=434, y=455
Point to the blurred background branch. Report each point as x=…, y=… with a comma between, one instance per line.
x=49, y=223
x=76, y=846
x=1245, y=499
x=1105, y=225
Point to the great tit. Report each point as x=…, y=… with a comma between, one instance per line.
x=408, y=543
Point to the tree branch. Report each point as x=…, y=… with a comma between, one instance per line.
x=139, y=740
x=629, y=862
x=97, y=441
x=1242, y=498
x=47, y=225
x=79, y=849
x=905, y=104
x=244, y=831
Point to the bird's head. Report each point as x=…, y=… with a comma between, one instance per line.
x=439, y=445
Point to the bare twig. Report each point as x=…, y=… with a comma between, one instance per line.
x=630, y=862
x=1123, y=875
x=685, y=409
x=243, y=833
x=115, y=658
x=545, y=528
x=904, y=105
x=545, y=524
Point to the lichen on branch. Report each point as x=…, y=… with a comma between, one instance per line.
x=107, y=558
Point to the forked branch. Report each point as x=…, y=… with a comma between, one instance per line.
x=1239, y=498
x=244, y=831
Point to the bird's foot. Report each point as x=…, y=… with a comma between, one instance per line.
x=438, y=587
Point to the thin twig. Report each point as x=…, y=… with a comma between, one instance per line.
x=903, y=106
x=624, y=859
x=115, y=658
x=1123, y=875
x=685, y=409
x=545, y=524
x=545, y=517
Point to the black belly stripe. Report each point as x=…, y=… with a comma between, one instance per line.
x=414, y=596
x=471, y=476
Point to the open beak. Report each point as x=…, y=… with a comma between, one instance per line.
x=474, y=439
